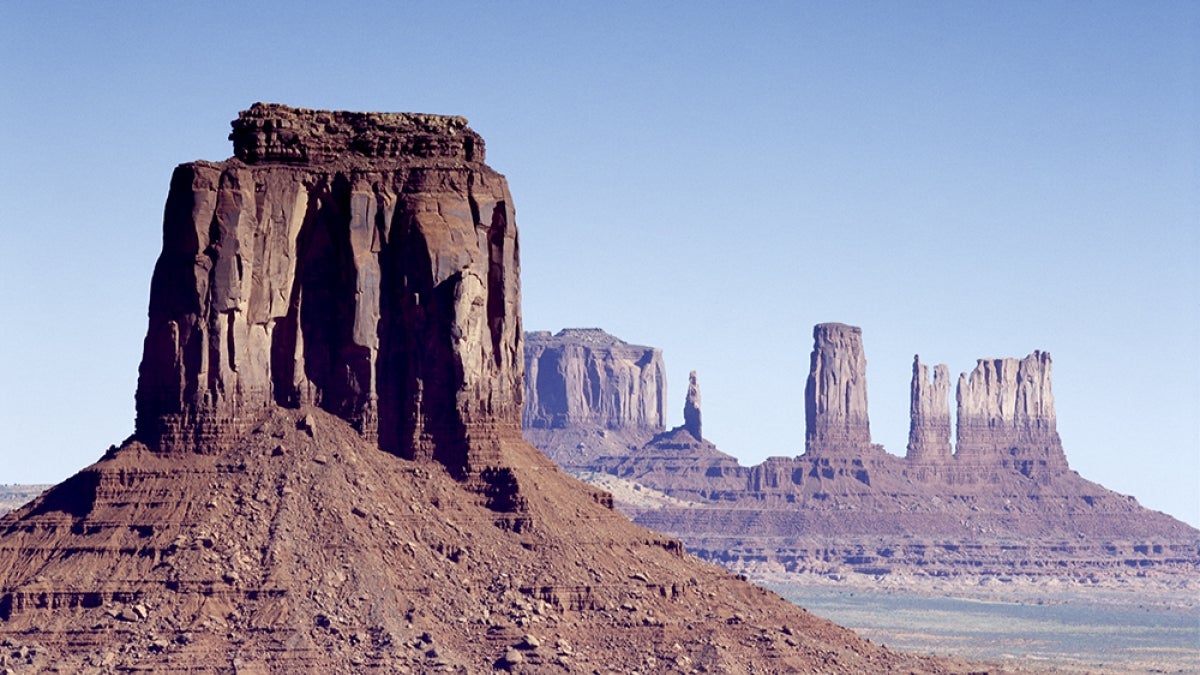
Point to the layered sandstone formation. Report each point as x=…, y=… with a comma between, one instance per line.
x=929, y=429
x=1006, y=417
x=347, y=284
x=364, y=263
x=835, y=396
x=1004, y=504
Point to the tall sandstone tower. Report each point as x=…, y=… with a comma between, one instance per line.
x=835, y=397
x=929, y=430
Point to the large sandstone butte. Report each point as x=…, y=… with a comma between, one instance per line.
x=1003, y=504
x=1006, y=416
x=327, y=474
x=362, y=263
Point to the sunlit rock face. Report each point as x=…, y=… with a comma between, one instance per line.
x=366, y=263
x=835, y=397
x=1006, y=416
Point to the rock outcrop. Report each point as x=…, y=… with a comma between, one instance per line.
x=835, y=397
x=1006, y=417
x=349, y=284
x=929, y=412
x=691, y=408
x=365, y=263
x=584, y=376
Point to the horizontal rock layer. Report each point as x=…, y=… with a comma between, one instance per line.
x=269, y=132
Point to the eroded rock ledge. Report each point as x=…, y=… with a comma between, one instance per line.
x=269, y=132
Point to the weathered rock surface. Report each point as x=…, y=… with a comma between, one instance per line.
x=253, y=525
x=337, y=557
x=929, y=426
x=835, y=396
x=364, y=263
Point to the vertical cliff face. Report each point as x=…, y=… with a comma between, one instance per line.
x=929, y=412
x=1006, y=416
x=586, y=377
x=365, y=263
x=691, y=408
x=835, y=397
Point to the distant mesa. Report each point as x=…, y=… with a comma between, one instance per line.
x=591, y=394
x=586, y=376
x=999, y=500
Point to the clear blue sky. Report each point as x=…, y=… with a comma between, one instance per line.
x=961, y=179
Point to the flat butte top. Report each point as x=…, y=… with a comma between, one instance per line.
x=274, y=133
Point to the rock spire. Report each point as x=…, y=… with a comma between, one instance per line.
x=1006, y=415
x=362, y=262
x=835, y=397
x=929, y=412
x=691, y=408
